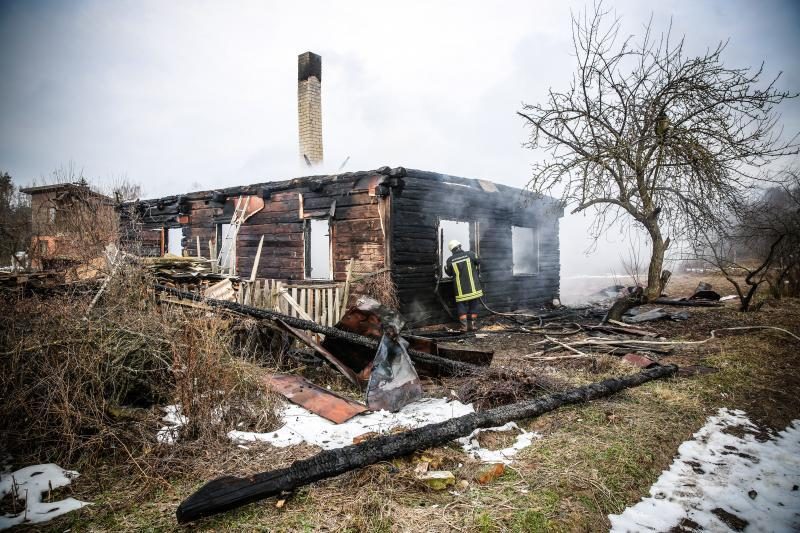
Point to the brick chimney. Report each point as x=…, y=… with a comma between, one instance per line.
x=309, y=106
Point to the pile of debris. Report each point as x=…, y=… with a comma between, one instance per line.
x=45, y=279
x=189, y=273
x=367, y=348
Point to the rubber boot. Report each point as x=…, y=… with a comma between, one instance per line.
x=464, y=324
x=470, y=324
x=473, y=323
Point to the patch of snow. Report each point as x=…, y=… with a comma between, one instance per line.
x=29, y=484
x=718, y=474
x=301, y=425
x=472, y=447
x=175, y=421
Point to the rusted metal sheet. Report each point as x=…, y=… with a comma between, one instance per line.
x=325, y=403
x=254, y=205
x=639, y=360
x=328, y=356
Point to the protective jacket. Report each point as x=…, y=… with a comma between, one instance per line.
x=463, y=268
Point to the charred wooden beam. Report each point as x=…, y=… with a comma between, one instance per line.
x=686, y=303
x=230, y=492
x=444, y=366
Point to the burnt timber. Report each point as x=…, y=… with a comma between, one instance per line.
x=226, y=493
x=383, y=219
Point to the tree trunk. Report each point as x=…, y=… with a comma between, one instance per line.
x=656, y=278
x=655, y=281
x=745, y=300
x=622, y=304
x=231, y=492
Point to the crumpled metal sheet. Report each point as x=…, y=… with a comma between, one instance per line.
x=393, y=382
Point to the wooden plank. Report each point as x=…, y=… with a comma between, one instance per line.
x=337, y=296
x=346, y=294
x=331, y=306
x=221, y=291
x=257, y=259
x=296, y=306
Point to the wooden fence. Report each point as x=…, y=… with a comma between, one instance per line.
x=320, y=302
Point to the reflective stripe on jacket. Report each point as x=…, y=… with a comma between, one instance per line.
x=463, y=268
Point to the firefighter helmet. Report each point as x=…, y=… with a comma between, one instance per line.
x=452, y=245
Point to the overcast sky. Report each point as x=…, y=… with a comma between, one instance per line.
x=186, y=95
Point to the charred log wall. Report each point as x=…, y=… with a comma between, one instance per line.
x=388, y=217
x=356, y=229
x=428, y=197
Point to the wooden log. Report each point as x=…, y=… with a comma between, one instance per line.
x=254, y=270
x=230, y=492
x=685, y=303
x=346, y=293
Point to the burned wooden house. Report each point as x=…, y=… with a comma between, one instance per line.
x=395, y=220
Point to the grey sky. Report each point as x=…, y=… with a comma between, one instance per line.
x=184, y=95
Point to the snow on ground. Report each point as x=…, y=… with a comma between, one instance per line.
x=471, y=445
x=29, y=484
x=301, y=425
x=175, y=421
x=724, y=482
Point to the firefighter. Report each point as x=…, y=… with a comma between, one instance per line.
x=463, y=267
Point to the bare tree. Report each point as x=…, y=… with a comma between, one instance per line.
x=647, y=131
x=760, y=244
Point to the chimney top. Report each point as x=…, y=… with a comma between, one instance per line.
x=309, y=64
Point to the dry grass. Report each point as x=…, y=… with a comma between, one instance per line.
x=592, y=460
x=86, y=393
x=485, y=394
x=380, y=287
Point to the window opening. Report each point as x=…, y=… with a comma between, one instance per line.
x=174, y=237
x=524, y=251
x=462, y=231
x=51, y=215
x=318, y=248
